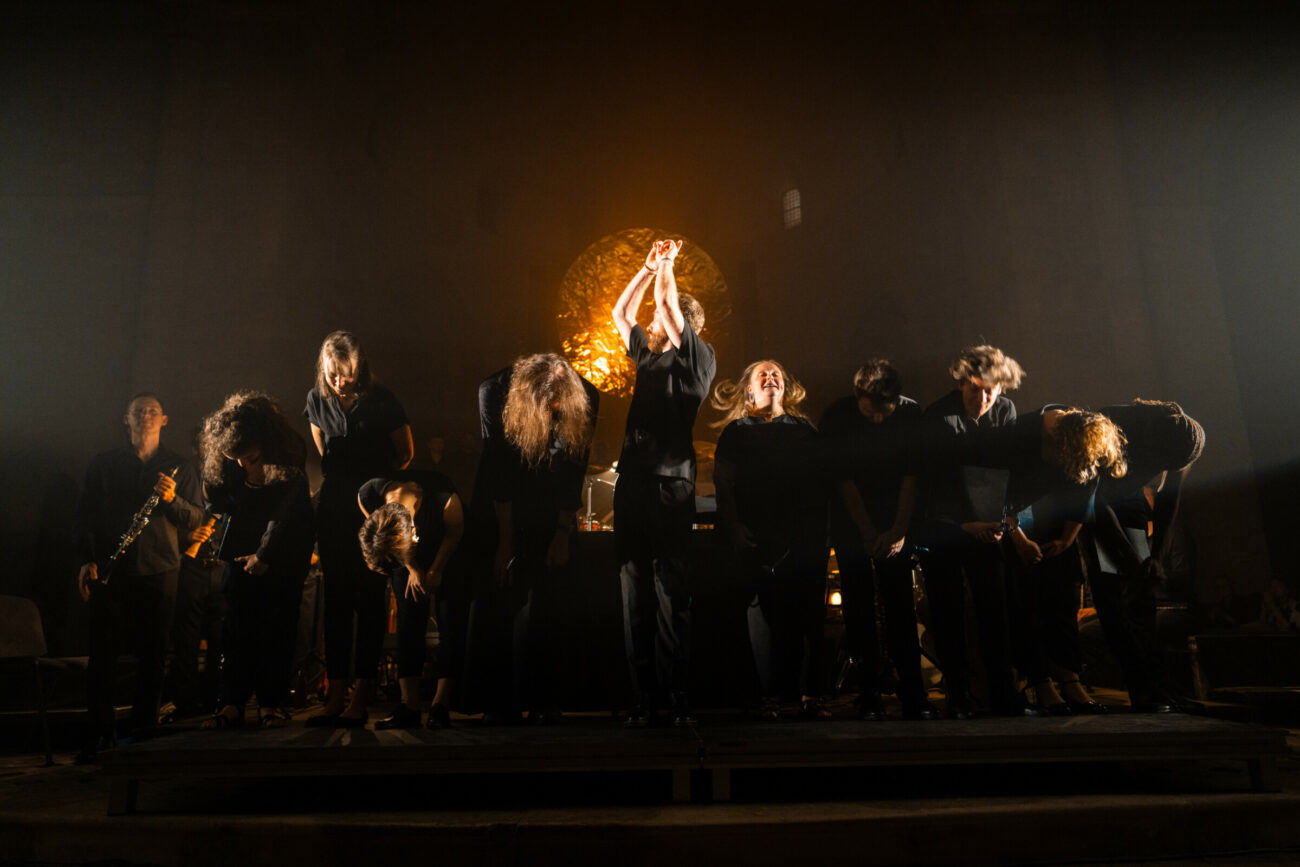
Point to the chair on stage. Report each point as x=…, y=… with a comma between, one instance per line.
x=22, y=638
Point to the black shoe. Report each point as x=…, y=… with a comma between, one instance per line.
x=402, y=717
x=545, y=716
x=919, y=709
x=502, y=718
x=638, y=717
x=352, y=722
x=960, y=708
x=439, y=717
x=1084, y=708
x=813, y=709
x=322, y=721
x=679, y=714
x=870, y=707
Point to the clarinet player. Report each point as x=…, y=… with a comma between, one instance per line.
x=131, y=589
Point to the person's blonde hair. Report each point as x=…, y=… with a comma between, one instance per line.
x=989, y=364
x=734, y=400
x=547, y=398
x=344, y=349
x=388, y=537
x=1086, y=442
x=247, y=420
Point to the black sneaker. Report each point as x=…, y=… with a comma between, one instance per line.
x=919, y=709
x=638, y=717
x=402, y=717
x=870, y=707
x=679, y=714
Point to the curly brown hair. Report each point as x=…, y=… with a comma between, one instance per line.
x=247, y=420
x=732, y=398
x=547, y=399
x=1086, y=442
x=989, y=364
x=388, y=537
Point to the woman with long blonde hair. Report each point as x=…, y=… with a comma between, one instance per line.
x=361, y=431
x=772, y=506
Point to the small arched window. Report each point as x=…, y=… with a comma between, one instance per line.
x=792, y=207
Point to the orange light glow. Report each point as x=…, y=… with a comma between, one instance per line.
x=592, y=285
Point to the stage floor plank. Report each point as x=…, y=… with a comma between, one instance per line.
x=716, y=747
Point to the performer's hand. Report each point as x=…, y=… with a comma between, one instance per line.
x=1053, y=548
x=89, y=572
x=652, y=258
x=201, y=533
x=888, y=544
x=165, y=487
x=252, y=565
x=668, y=250
x=741, y=538
x=1027, y=550
x=557, y=553
x=415, y=589
x=985, y=531
x=432, y=580
x=1154, y=570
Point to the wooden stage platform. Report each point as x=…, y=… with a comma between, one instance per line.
x=706, y=754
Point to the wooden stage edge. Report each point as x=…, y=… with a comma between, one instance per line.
x=586, y=744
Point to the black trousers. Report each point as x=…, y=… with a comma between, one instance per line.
x=787, y=621
x=652, y=534
x=131, y=613
x=1045, y=624
x=259, y=635
x=353, y=594
x=1126, y=607
x=861, y=580
x=199, y=614
x=954, y=561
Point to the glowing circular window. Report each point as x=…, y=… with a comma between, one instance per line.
x=596, y=279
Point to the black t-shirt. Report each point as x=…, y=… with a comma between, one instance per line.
x=875, y=457
x=956, y=492
x=117, y=484
x=435, y=491
x=1146, y=460
x=1051, y=497
x=504, y=476
x=358, y=441
x=273, y=520
x=773, y=468
x=670, y=386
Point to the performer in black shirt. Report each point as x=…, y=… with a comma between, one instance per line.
x=131, y=599
x=361, y=432
x=1163, y=443
x=772, y=507
x=1055, y=457
x=537, y=418
x=654, y=501
x=254, y=471
x=963, y=528
x=869, y=442
x=413, y=524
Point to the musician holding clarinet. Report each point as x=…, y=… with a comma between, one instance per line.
x=136, y=504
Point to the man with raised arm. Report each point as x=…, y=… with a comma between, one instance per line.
x=654, y=500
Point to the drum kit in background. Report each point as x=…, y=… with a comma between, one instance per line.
x=598, y=492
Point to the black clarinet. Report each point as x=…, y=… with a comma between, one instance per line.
x=138, y=523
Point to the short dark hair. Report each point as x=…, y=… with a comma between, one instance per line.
x=692, y=311
x=878, y=380
x=386, y=537
x=140, y=394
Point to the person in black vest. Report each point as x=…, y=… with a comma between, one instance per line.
x=131, y=599
x=870, y=443
x=361, y=432
x=414, y=522
x=654, y=500
x=254, y=471
x=537, y=417
x=772, y=509
x=963, y=528
x=1163, y=443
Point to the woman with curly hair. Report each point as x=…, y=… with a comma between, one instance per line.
x=361, y=431
x=772, y=507
x=253, y=471
x=1056, y=457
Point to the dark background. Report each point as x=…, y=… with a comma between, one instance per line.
x=193, y=194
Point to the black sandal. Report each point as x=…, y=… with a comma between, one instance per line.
x=274, y=718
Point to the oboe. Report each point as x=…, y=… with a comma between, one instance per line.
x=138, y=523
